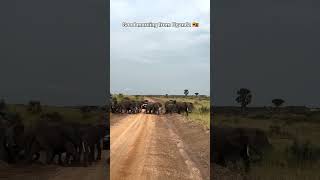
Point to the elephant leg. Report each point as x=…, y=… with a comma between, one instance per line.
x=85, y=152
x=60, y=159
x=93, y=155
x=246, y=157
x=99, y=151
x=34, y=150
x=78, y=155
x=85, y=160
x=68, y=158
x=49, y=156
x=89, y=152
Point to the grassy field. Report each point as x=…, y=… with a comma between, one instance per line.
x=69, y=114
x=288, y=160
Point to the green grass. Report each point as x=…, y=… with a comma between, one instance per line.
x=120, y=97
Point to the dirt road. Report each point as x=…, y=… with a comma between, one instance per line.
x=98, y=171
x=146, y=146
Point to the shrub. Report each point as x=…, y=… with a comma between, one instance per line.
x=204, y=110
x=303, y=153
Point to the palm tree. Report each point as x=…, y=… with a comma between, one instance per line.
x=244, y=98
x=186, y=92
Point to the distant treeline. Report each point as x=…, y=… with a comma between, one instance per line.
x=265, y=109
x=172, y=96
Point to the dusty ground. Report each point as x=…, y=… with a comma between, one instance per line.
x=98, y=171
x=146, y=146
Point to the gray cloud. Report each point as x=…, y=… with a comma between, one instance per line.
x=270, y=47
x=54, y=51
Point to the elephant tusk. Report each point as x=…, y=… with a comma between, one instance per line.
x=248, y=151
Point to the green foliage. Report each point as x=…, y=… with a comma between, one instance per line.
x=302, y=153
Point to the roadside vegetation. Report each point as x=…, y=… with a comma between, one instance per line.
x=68, y=114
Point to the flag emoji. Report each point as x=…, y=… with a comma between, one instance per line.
x=195, y=24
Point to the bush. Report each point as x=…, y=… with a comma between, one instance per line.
x=204, y=110
x=303, y=153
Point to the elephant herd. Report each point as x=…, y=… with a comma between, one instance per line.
x=230, y=144
x=126, y=106
x=51, y=137
x=132, y=106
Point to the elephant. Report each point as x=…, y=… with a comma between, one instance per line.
x=51, y=135
x=138, y=106
x=230, y=145
x=153, y=108
x=126, y=106
x=11, y=141
x=114, y=105
x=258, y=142
x=149, y=108
x=92, y=139
x=184, y=107
x=171, y=108
x=53, y=139
x=156, y=108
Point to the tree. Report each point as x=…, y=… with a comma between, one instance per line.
x=196, y=94
x=244, y=98
x=167, y=95
x=277, y=102
x=186, y=92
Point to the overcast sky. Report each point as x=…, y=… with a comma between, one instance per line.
x=53, y=51
x=268, y=46
x=160, y=60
